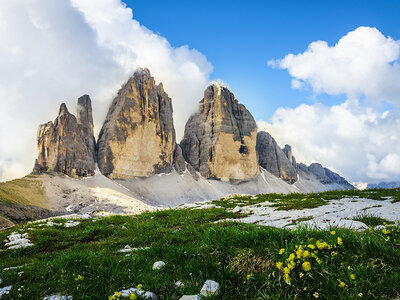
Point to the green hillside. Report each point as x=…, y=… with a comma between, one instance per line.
x=26, y=191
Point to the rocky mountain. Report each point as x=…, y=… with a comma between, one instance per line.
x=326, y=176
x=138, y=135
x=221, y=153
x=288, y=152
x=220, y=138
x=383, y=185
x=274, y=159
x=67, y=145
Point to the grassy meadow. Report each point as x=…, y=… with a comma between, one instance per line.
x=249, y=261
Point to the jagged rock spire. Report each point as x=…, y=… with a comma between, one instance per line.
x=274, y=159
x=138, y=135
x=67, y=145
x=220, y=138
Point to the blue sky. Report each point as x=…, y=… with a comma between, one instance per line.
x=239, y=37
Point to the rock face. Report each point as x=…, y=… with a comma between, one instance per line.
x=220, y=138
x=138, y=135
x=288, y=152
x=68, y=144
x=273, y=159
x=326, y=176
x=179, y=160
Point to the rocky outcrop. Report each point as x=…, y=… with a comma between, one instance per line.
x=67, y=145
x=16, y=213
x=288, y=152
x=326, y=176
x=220, y=138
x=138, y=135
x=179, y=160
x=275, y=160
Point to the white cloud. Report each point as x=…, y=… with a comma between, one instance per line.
x=350, y=138
x=362, y=63
x=55, y=51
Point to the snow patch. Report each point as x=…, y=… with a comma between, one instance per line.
x=17, y=241
x=5, y=290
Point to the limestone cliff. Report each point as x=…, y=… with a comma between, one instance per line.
x=220, y=138
x=138, y=135
x=67, y=145
x=326, y=176
x=275, y=160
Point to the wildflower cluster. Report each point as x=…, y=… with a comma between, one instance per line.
x=391, y=233
x=115, y=296
x=297, y=266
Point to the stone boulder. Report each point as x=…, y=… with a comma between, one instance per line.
x=67, y=145
x=138, y=136
x=272, y=158
x=220, y=138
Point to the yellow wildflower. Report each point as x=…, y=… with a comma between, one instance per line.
x=306, y=254
x=333, y=232
x=387, y=239
x=287, y=278
x=299, y=253
x=79, y=277
x=132, y=297
x=301, y=275
x=306, y=266
x=385, y=231
x=279, y=265
x=316, y=295
x=342, y=284
x=248, y=277
x=352, y=276
x=291, y=265
x=370, y=228
x=360, y=294
x=281, y=251
x=291, y=257
x=339, y=241
x=311, y=246
x=115, y=296
x=140, y=287
x=321, y=245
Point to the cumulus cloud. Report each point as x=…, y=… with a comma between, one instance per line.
x=362, y=63
x=55, y=51
x=352, y=139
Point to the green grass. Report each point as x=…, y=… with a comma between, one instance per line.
x=302, y=201
x=241, y=257
x=372, y=220
x=27, y=191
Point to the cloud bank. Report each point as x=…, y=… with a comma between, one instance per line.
x=356, y=141
x=352, y=138
x=362, y=63
x=56, y=51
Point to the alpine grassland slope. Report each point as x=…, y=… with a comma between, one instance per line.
x=81, y=258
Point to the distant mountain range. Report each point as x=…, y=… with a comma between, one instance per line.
x=380, y=185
